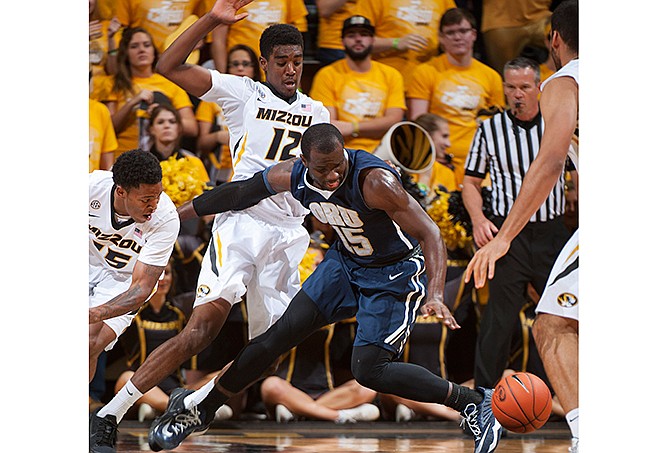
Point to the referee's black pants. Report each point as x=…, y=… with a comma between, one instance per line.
x=529, y=260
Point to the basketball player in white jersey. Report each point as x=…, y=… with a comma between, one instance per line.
x=256, y=250
x=132, y=226
x=556, y=328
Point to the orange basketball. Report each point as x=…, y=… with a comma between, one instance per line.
x=521, y=402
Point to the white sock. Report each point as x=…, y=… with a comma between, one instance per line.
x=196, y=397
x=573, y=422
x=121, y=402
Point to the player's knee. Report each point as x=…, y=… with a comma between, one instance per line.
x=98, y=338
x=539, y=327
x=368, y=367
x=546, y=329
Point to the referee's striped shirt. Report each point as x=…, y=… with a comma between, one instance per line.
x=505, y=147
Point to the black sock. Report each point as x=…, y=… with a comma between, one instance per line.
x=459, y=397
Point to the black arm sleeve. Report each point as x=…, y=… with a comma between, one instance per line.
x=233, y=196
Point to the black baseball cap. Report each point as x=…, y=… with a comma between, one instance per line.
x=357, y=22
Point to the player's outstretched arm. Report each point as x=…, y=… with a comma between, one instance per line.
x=240, y=195
x=382, y=190
x=559, y=105
x=172, y=63
x=144, y=279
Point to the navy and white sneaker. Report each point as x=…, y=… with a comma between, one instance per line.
x=177, y=423
x=481, y=422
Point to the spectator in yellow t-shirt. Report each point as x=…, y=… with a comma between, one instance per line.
x=364, y=97
x=101, y=137
x=102, y=44
x=509, y=26
x=332, y=13
x=405, y=30
x=161, y=18
x=455, y=85
x=136, y=89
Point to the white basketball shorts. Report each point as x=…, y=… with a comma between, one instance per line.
x=561, y=295
x=252, y=255
x=103, y=286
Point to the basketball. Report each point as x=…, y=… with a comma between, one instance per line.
x=521, y=403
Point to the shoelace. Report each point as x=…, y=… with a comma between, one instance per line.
x=108, y=435
x=183, y=421
x=471, y=420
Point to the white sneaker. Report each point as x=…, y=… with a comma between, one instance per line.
x=283, y=415
x=223, y=413
x=364, y=413
x=575, y=445
x=403, y=413
x=145, y=412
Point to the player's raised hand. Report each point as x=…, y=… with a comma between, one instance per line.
x=225, y=11
x=441, y=311
x=483, y=264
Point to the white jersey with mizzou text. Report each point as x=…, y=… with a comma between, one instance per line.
x=114, y=247
x=569, y=70
x=264, y=129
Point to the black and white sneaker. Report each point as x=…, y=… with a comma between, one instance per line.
x=177, y=423
x=102, y=433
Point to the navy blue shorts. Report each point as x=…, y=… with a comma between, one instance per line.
x=384, y=300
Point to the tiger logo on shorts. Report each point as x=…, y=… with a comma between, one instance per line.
x=202, y=291
x=566, y=300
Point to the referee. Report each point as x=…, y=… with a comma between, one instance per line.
x=504, y=146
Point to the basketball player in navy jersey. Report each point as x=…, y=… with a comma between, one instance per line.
x=387, y=264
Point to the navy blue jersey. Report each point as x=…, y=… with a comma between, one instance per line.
x=368, y=236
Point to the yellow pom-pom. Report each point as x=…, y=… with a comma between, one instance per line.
x=183, y=179
x=455, y=236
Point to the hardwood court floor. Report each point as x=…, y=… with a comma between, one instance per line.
x=312, y=437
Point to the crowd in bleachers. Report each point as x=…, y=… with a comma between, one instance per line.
x=440, y=65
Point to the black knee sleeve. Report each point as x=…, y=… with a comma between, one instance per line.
x=373, y=367
x=368, y=365
x=300, y=320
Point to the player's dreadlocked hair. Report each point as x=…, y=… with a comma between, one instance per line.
x=136, y=167
x=322, y=137
x=279, y=35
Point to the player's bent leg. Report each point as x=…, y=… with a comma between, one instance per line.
x=557, y=340
x=203, y=326
x=301, y=319
x=99, y=336
x=373, y=367
x=201, y=329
